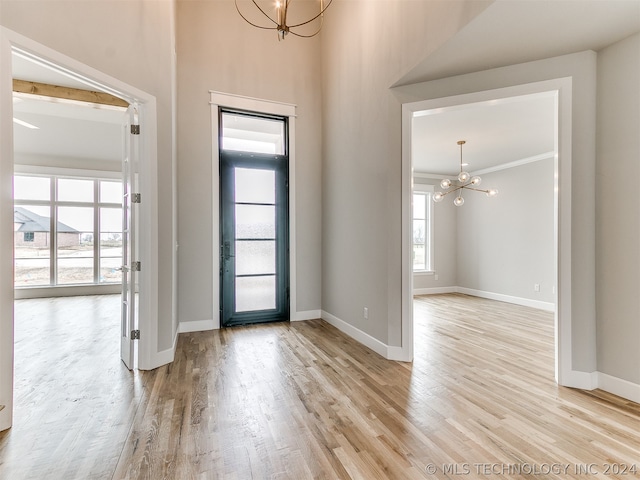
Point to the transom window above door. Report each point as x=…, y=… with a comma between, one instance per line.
x=243, y=133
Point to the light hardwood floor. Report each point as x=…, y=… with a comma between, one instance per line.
x=302, y=400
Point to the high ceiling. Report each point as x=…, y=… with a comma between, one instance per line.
x=517, y=31
x=506, y=33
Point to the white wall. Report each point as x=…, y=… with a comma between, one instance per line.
x=366, y=47
x=506, y=243
x=218, y=51
x=361, y=170
x=501, y=246
x=618, y=210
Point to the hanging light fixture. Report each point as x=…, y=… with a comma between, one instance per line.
x=464, y=181
x=278, y=20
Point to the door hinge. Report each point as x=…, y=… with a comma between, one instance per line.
x=135, y=129
x=136, y=198
x=135, y=334
x=136, y=266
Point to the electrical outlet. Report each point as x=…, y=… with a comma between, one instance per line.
x=365, y=313
x=435, y=277
x=536, y=287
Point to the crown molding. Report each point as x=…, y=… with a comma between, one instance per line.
x=497, y=168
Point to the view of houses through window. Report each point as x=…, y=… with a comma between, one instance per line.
x=68, y=231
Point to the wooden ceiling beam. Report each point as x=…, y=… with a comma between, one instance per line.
x=67, y=93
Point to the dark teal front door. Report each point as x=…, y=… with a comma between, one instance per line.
x=254, y=247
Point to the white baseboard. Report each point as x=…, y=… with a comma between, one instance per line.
x=434, y=290
x=197, y=326
x=578, y=379
x=399, y=354
x=306, y=315
x=618, y=386
x=608, y=383
x=357, y=334
x=525, y=302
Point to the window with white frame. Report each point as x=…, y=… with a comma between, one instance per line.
x=68, y=231
x=422, y=228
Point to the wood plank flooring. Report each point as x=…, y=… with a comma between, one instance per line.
x=74, y=400
x=302, y=400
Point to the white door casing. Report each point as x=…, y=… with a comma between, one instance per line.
x=562, y=89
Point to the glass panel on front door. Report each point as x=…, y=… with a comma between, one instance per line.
x=255, y=239
x=254, y=219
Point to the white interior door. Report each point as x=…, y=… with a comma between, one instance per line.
x=130, y=265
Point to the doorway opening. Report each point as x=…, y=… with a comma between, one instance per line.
x=560, y=158
x=254, y=218
x=73, y=216
x=66, y=173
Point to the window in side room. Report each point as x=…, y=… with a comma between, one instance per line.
x=422, y=228
x=68, y=231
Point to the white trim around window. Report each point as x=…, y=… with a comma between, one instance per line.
x=101, y=258
x=426, y=191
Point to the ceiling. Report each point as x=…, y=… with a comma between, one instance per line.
x=506, y=33
x=66, y=129
x=496, y=132
x=517, y=31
